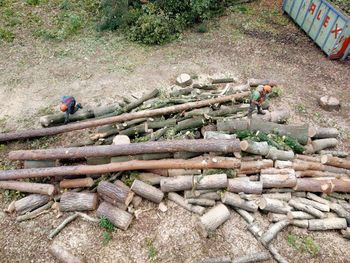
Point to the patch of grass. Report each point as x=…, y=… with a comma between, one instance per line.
x=45, y=111
x=303, y=244
x=301, y=108
x=6, y=35
x=152, y=251
x=202, y=28
x=129, y=177
x=33, y=2
x=109, y=228
x=106, y=237
x=12, y=195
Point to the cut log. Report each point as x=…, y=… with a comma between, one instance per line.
x=200, y=163
x=279, y=180
x=274, y=206
x=276, y=154
x=257, y=82
x=346, y=233
x=39, y=164
x=237, y=202
x=279, y=196
x=253, y=167
x=30, y=203
x=279, y=116
x=317, y=198
x=121, y=219
x=35, y=212
x=55, y=119
x=243, y=184
x=323, y=133
x=299, y=215
x=339, y=154
x=308, y=158
x=114, y=202
x=283, y=164
x=259, y=148
x=317, y=205
x=340, y=211
x=273, y=230
x=117, y=193
x=232, y=125
x=218, y=135
x=136, y=201
x=202, y=145
x=71, y=201
x=306, y=208
x=150, y=178
x=115, y=119
x=34, y=188
x=300, y=223
x=63, y=255
x=246, y=215
x=178, y=172
x=178, y=199
x=76, y=183
x=175, y=184
x=321, y=185
x=322, y=144
x=211, y=196
x=335, y=161
x=147, y=191
x=276, y=217
x=315, y=173
x=255, y=257
x=201, y=202
x=327, y=224
x=213, y=181
x=212, y=219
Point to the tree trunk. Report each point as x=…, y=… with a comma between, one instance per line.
x=30, y=202
x=115, y=119
x=317, y=205
x=274, y=206
x=299, y=215
x=150, y=178
x=335, y=161
x=118, y=217
x=145, y=97
x=273, y=230
x=255, y=257
x=327, y=224
x=213, y=181
x=58, y=118
x=39, y=164
x=201, y=202
x=212, y=219
x=147, y=191
x=34, y=188
x=323, y=133
x=200, y=163
x=306, y=208
x=117, y=193
x=276, y=154
x=259, y=148
x=218, y=135
x=178, y=199
x=237, y=202
x=71, y=201
x=257, y=82
x=252, y=167
x=76, y=183
x=238, y=185
x=63, y=255
x=176, y=184
x=279, y=196
x=202, y=145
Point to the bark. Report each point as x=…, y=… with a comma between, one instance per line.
x=259, y=148
x=232, y=125
x=200, y=163
x=279, y=196
x=218, y=135
x=63, y=255
x=150, y=178
x=202, y=145
x=223, y=259
x=321, y=185
x=306, y=208
x=62, y=225
x=212, y=219
x=274, y=206
x=76, y=183
x=276, y=154
x=189, y=124
x=35, y=212
x=213, y=181
x=58, y=118
x=300, y=223
x=273, y=230
x=308, y=158
x=299, y=215
x=117, y=193
x=246, y=215
x=257, y=82
x=317, y=205
x=255, y=257
x=178, y=172
x=322, y=133
x=71, y=201
x=346, y=233
x=315, y=173
x=276, y=217
x=39, y=164
x=327, y=224
x=30, y=203
x=306, y=165
x=340, y=211
x=34, y=188
x=121, y=219
x=317, y=198
x=252, y=167
x=147, y=191
x=283, y=164
x=321, y=144
x=201, y=202
x=115, y=119
x=237, y=202
x=178, y=199
x=243, y=184
x=335, y=161
x=278, y=180
x=177, y=183
x=339, y=154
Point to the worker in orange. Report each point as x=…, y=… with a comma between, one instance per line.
x=69, y=106
x=258, y=97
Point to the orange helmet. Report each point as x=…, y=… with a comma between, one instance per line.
x=267, y=88
x=63, y=107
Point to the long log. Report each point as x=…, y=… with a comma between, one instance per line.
x=115, y=192
x=76, y=183
x=202, y=145
x=63, y=255
x=118, y=217
x=259, y=148
x=243, y=184
x=317, y=198
x=177, y=183
x=327, y=224
x=340, y=211
x=34, y=188
x=115, y=119
x=213, y=181
x=39, y=164
x=335, y=161
x=30, y=203
x=71, y=201
x=273, y=230
x=287, y=180
x=202, y=163
x=317, y=205
x=178, y=199
x=237, y=202
x=256, y=82
x=147, y=191
x=54, y=119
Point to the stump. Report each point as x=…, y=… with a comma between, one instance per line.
x=118, y=217
x=71, y=201
x=147, y=191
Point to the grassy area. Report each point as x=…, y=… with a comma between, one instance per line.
x=303, y=243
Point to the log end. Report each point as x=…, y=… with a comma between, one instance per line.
x=244, y=145
x=312, y=132
x=262, y=203
x=324, y=159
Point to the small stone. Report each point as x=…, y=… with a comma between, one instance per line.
x=162, y=207
x=184, y=80
x=329, y=103
x=121, y=139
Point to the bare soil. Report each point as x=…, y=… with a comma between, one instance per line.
x=99, y=69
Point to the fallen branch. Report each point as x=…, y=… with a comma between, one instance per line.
x=35, y=213
x=62, y=225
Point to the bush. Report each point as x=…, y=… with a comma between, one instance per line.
x=113, y=14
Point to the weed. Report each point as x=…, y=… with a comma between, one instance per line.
x=106, y=237
x=301, y=108
x=202, y=28
x=6, y=35
x=12, y=195
x=109, y=228
x=129, y=177
x=152, y=251
x=276, y=92
x=2, y=147
x=33, y=2
x=303, y=244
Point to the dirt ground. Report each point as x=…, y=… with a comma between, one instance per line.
x=254, y=42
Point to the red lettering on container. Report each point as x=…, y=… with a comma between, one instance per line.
x=313, y=8
x=318, y=16
x=325, y=24
x=336, y=30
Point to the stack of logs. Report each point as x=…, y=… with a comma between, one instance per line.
x=204, y=168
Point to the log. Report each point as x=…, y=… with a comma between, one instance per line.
x=243, y=184
x=150, y=178
x=306, y=208
x=279, y=116
x=212, y=219
x=115, y=119
x=62, y=225
x=175, y=184
x=276, y=255
x=178, y=172
x=273, y=230
x=147, y=191
x=299, y=215
x=321, y=185
x=308, y=158
x=259, y=148
x=202, y=145
x=54, y=119
x=327, y=224
x=321, y=144
x=279, y=196
x=218, y=135
x=213, y=181
x=276, y=217
x=276, y=154
x=121, y=219
x=232, y=125
x=283, y=164
x=317, y=198
x=300, y=223
x=252, y=167
x=34, y=188
x=255, y=257
x=71, y=201
x=76, y=183
x=340, y=211
x=346, y=233
x=35, y=212
x=200, y=163
x=246, y=215
x=30, y=203
x=315, y=173
x=63, y=255
x=201, y=202
x=279, y=180
x=339, y=154
x=237, y=202
x=39, y=164
x=341, y=185
x=179, y=200
x=274, y=206
x=335, y=161
x=114, y=202
x=317, y=205
x=257, y=82
x=136, y=201
x=144, y=97
x=211, y=196
x=117, y=193
x=322, y=133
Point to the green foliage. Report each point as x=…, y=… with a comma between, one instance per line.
x=276, y=92
x=106, y=238
x=114, y=13
x=12, y=195
x=231, y=173
x=303, y=244
x=129, y=177
x=6, y=35
x=202, y=28
x=106, y=224
x=33, y=2
x=342, y=4
x=152, y=251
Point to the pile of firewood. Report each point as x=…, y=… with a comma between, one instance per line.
x=194, y=146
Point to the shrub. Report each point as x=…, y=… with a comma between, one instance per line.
x=113, y=14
